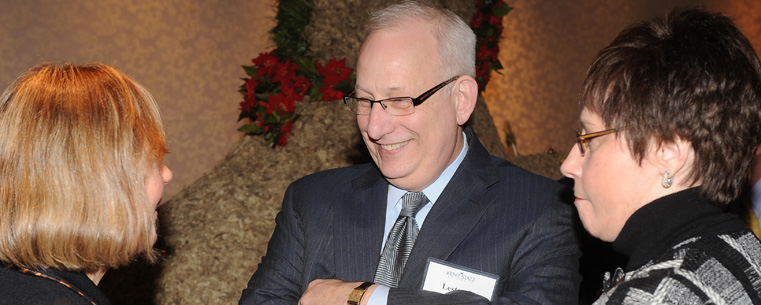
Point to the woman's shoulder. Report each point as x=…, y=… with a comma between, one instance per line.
x=697, y=271
x=19, y=288
x=26, y=288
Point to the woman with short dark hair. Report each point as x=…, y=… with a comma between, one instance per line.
x=670, y=120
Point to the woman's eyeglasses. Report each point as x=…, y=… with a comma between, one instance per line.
x=584, y=139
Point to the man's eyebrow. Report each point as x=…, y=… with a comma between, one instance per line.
x=391, y=90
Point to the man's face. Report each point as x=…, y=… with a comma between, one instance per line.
x=412, y=150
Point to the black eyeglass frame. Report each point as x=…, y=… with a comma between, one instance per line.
x=415, y=100
x=583, y=139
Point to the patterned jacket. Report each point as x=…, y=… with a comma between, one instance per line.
x=684, y=250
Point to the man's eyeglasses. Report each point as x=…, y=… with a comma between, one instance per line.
x=584, y=139
x=393, y=106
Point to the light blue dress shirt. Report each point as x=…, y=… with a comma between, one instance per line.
x=394, y=208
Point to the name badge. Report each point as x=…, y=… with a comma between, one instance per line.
x=441, y=276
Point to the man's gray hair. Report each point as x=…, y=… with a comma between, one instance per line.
x=456, y=41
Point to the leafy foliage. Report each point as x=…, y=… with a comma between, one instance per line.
x=487, y=24
x=278, y=80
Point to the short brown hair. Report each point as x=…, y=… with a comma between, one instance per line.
x=76, y=145
x=692, y=75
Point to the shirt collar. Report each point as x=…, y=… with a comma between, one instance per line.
x=433, y=191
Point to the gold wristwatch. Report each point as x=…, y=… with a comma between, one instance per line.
x=357, y=293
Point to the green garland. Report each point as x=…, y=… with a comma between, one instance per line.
x=289, y=34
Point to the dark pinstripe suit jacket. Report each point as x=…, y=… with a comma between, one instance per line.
x=492, y=216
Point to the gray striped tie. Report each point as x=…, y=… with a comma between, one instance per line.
x=400, y=240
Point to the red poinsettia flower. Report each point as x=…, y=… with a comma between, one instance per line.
x=294, y=92
x=287, y=105
x=271, y=104
x=248, y=103
x=478, y=19
x=251, y=84
x=329, y=94
x=296, y=87
x=335, y=71
x=284, y=132
x=299, y=87
x=487, y=53
x=285, y=72
x=282, y=141
x=496, y=22
x=282, y=103
x=287, y=128
x=266, y=63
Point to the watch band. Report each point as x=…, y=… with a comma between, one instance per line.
x=357, y=293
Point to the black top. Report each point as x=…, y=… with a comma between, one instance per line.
x=668, y=221
x=19, y=288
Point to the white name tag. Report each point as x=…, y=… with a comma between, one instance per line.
x=443, y=277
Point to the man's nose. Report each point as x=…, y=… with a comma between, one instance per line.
x=379, y=121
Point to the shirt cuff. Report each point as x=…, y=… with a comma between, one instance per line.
x=379, y=296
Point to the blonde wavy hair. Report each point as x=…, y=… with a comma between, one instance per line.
x=76, y=144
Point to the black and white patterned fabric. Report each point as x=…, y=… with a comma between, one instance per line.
x=697, y=255
x=725, y=269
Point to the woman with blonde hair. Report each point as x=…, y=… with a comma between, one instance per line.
x=81, y=176
x=670, y=121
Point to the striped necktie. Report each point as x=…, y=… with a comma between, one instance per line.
x=400, y=240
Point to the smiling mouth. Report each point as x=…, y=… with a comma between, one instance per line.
x=394, y=146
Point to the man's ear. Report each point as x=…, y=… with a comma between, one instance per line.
x=465, y=94
x=675, y=156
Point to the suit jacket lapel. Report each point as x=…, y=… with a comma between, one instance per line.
x=456, y=212
x=358, y=225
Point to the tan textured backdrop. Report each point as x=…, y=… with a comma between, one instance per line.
x=188, y=54
x=547, y=48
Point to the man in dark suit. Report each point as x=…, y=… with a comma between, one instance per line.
x=435, y=212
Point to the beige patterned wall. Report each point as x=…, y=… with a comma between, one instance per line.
x=546, y=49
x=187, y=53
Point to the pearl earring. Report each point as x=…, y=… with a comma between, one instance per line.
x=666, y=181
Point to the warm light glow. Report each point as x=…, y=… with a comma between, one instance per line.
x=546, y=49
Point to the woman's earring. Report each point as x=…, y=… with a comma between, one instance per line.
x=665, y=180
